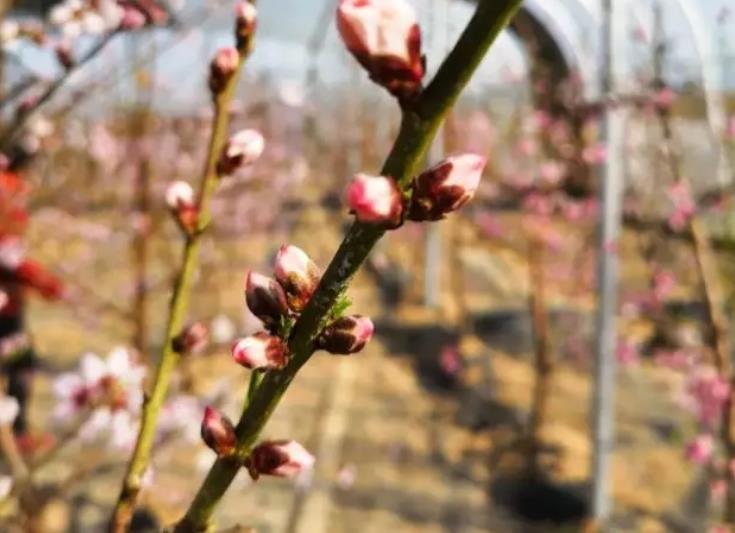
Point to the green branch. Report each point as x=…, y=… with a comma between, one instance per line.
x=418, y=128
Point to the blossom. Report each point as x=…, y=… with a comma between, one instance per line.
x=346, y=335
x=279, y=458
x=260, y=351
x=246, y=19
x=683, y=205
x=179, y=194
x=626, y=353
x=192, y=339
x=375, y=200
x=384, y=37
x=297, y=274
x=706, y=393
x=445, y=187
x=109, y=390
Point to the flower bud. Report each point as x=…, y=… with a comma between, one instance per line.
x=132, y=19
x=283, y=458
x=385, y=38
x=265, y=299
x=246, y=19
x=192, y=339
x=180, y=200
x=243, y=148
x=260, y=351
x=64, y=54
x=218, y=432
x=375, y=200
x=446, y=187
x=298, y=275
x=346, y=335
x=222, y=69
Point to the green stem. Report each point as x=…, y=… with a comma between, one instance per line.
x=419, y=125
x=178, y=309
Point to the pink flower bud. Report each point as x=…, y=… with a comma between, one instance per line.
x=375, y=200
x=218, y=432
x=346, y=335
x=265, y=299
x=246, y=20
x=243, y=148
x=284, y=458
x=132, y=19
x=64, y=54
x=180, y=200
x=179, y=194
x=446, y=187
x=298, y=275
x=385, y=38
x=223, y=67
x=260, y=351
x=192, y=339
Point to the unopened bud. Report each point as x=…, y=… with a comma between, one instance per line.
x=180, y=200
x=222, y=69
x=283, y=458
x=192, y=339
x=375, y=200
x=132, y=19
x=246, y=20
x=446, y=187
x=385, y=38
x=346, y=335
x=260, y=351
x=298, y=275
x=64, y=54
x=243, y=148
x=218, y=432
x=265, y=299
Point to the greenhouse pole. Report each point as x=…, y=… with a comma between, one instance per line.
x=433, y=244
x=610, y=178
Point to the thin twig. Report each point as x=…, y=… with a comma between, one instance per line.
x=178, y=309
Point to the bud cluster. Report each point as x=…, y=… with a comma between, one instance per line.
x=432, y=195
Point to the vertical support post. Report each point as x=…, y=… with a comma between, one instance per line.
x=610, y=178
x=433, y=244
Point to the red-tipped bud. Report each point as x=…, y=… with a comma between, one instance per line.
x=218, y=432
x=246, y=20
x=375, y=200
x=446, y=187
x=298, y=275
x=180, y=200
x=64, y=54
x=385, y=38
x=222, y=69
x=265, y=299
x=192, y=339
x=283, y=458
x=243, y=148
x=260, y=351
x=346, y=335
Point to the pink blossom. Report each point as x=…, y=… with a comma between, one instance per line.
x=246, y=19
x=706, y=393
x=542, y=119
x=179, y=194
x=664, y=98
x=450, y=360
x=223, y=67
x=699, y=451
x=551, y=172
x=109, y=390
x=684, y=207
x=627, y=353
x=538, y=204
x=664, y=282
x=595, y=154
x=242, y=149
x=375, y=200
x=385, y=38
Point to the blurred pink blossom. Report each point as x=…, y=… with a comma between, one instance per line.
x=627, y=353
x=683, y=205
x=706, y=393
x=700, y=450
